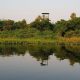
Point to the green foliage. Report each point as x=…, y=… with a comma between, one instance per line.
x=42, y=24
x=72, y=33
x=40, y=28
x=67, y=27
x=12, y=25
x=73, y=16
x=27, y=33
x=60, y=27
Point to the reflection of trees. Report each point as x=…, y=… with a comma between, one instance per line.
x=42, y=52
x=73, y=53
x=8, y=50
x=68, y=52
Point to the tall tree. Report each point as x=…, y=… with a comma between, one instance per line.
x=73, y=16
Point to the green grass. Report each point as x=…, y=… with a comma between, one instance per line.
x=39, y=40
x=28, y=40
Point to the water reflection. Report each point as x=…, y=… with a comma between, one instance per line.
x=42, y=52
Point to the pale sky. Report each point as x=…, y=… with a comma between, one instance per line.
x=30, y=9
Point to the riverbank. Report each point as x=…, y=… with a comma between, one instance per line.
x=40, y=40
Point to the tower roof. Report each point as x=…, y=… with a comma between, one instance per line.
x=45, y=13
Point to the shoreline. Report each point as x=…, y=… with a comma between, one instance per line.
x=40, y=40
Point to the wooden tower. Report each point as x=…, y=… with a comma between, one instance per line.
x=45, y=16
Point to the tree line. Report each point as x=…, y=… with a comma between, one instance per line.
x=64, y=28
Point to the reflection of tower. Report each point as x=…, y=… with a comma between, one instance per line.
x=44, y=63
x=45, y=16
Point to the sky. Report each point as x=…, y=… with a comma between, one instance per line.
x=30, y=9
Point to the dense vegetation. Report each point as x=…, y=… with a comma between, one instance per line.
x=40, y=28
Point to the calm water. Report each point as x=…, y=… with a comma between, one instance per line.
x=40, y=62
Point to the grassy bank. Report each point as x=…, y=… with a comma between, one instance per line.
x=40, y=40
x=26, y=40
